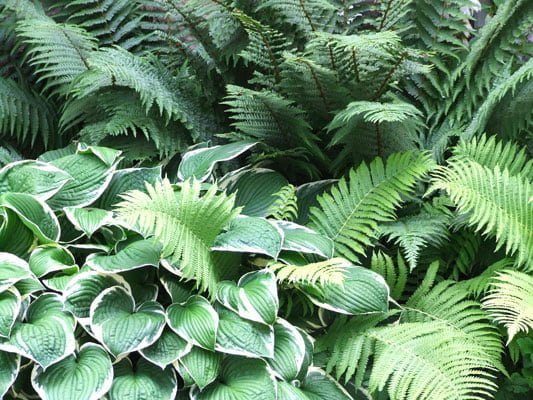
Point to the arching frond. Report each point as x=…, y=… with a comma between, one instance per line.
x=394, y=273
x=285, y=206
x=324, y=272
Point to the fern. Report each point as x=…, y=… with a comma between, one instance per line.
x=510, y=301
x=394, y=273
x=285, y=207
x=324, y=272
x=185, y=223
x=351, y=212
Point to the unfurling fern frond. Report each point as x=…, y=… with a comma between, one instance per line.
x=352, y=210
x=324, y=272
x=510, y=301
x=286, y=205
x=493, y=202
x=186, y=223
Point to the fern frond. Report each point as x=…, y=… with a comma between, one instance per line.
x=324, y=272
x=394, y=273
x=286, y=205
x=494, y=202
x=352, y=210
x=186, y=223
x=464, y=247
x=510, y=301
x=482, y=283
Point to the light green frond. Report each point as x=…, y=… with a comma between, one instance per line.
x=324, y=272
x=510, y=301
x=394, y=273
x=481, y=284
x=286, y=205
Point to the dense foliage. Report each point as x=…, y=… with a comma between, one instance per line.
x=278, y=199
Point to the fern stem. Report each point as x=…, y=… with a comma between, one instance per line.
x=318, y=85
x=385, y=14
x=378, y=141
x=389, y=76
x=307, y=16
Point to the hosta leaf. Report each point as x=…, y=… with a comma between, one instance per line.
x=35, y=214
x=289, y=351
x=317, y=385
x=178, y=290
x=47, y=336
x=250, y=235
x=12, y=270
x=305, y=240
x=84, y=288
x=199, y=163
x=59, y=281
x=37, y=178
x=15, y=237
x=254, y=297
x=167, y=349
x=46, y=259
x=243, y=337
x=362, y=291
x=91, y=170
x=240, y=379
x=85, y=376
x=120, y=326
x=10, y=303
x=88, y=220
x=202, y=365
x=144, y=382
x=138, y=254
x=9, y=369
x=195, y=320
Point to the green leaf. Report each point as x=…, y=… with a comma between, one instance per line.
x=84, y=288
x=317, y=385
x=120, y=326
x=138, y=254
x=167, y=349
x=46, y=259
x=250, y=235
x=199, y=163
x=88, y=220
x=9, y=369
x=10, y=304
x=302, y=239
x=144, y=382
x=254, y=297
x=202, y=365
x=243, y=337
x=195, y=320
x=47, y=336
x=35, y=214
x=289, y=351
x=91, y=170
x=37, y=178
x=15, y=237
x=362, y=291
x=85, y=376
x=240, y=379
x=12, y=270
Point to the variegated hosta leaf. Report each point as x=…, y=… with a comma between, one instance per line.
x=243, y=337
x=254, y=297
x=201, y=365
x=37, y=178
x=251, y=235
x=240, y=379
x=35, y=214
x=10, y=303
x=9, y=369
x=304, y=240
x=144, y=382
x=47, y=336
x=289, y=351
x=12, y=270
x=195, y=320
x=120, y=326
x=88, y=220
x=85, y=376
x=46, y=259
x=362, y=291
x=167, y=349
x=316, y=385
x=84, y=288
x=135, y=255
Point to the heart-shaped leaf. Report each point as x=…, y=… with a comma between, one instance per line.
x=195, y=320
x=289, y=351
x=12, y=270
x=317, y=385
x=362, y=291
x=87, y=376
x=243, y=337
x=255, y=297
x=88, y=220
x=145, y=382
x=135, y=255
x=10, y=304
x=304, y=240
x=121, y=327
x=167, y=349
x=9, y=369
x=15, y=237
x=47, y=336
x=240, y=379
x=202, y=365
x=251, y=235
x=46, y=259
